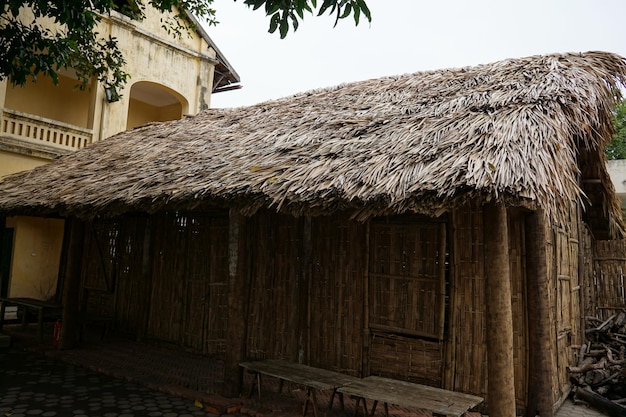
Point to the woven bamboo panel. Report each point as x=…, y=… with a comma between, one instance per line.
x=609, y=284
x=97, y=294
x=206, y=280
x=274, y=308
x=182, y=298
x=188, y=302
x=98, y=303
x=407, y=359
x=336, y=294
x=167, y=296
x=132, y=290
x=517, y=261
x=467, y=327
x=407, y=276
x=586, y=267
x=466, y=357
x=101, y=247
x=563, y=268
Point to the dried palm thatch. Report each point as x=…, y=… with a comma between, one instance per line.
x=423, y=142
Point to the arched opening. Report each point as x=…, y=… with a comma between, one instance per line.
x=151, y=102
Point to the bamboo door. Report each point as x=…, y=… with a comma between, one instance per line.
x=407, y=298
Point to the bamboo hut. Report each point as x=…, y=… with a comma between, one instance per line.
x=425, y=227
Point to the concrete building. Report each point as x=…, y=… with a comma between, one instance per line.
x=170, y=77
x=617, y=171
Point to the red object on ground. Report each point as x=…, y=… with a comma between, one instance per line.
x=57, y=333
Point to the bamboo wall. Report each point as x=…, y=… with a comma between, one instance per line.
x=163, y=277
x=336, y=287
x=466, y=350
x=564, y=259
x=605, y=290
x=401, y=297
x=274, y=306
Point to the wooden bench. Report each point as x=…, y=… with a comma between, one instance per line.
x=43, y=308
x=407, y=394
x=313, y=379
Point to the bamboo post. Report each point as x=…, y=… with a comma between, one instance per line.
x=542, y=360
x=500, y=369
x=58, y=291
x=70, y=329
x=238, y=301
x=442, y=279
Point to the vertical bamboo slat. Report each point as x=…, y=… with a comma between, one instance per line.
x=365, y=351
x=450, y=350
x=442, y=280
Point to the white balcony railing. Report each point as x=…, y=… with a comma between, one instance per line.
x=39, y=130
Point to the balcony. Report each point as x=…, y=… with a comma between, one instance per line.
x=40, y=131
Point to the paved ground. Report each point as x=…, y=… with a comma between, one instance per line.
x=121, y=378
x=33, y=385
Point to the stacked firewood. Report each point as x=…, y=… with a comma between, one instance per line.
x=600, y=377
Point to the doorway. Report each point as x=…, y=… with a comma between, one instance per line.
x=6, y=250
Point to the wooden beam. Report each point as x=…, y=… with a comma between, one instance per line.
x=238, y=302
x=500, y=366
x=70, y=327
x=542, y=354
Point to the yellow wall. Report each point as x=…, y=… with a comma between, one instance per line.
x=140, y=113
x=62, y=102
x=13, y=162
x=36, y=254
x=156, y=57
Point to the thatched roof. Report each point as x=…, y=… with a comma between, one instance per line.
x=512, y=131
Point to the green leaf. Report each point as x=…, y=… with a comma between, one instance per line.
x=366, y=11
x=324, y=7
x=272, y=7
x=283, y=28
x=300, y=13
x=357, y=15
x=274, y=23
x=346, y=11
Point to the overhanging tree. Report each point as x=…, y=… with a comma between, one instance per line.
x=30, y=46
x=617, y=147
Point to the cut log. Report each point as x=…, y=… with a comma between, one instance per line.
x=601, y=403
x=597, y=376
x=587, y=365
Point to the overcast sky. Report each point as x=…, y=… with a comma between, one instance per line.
x=405, y=36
